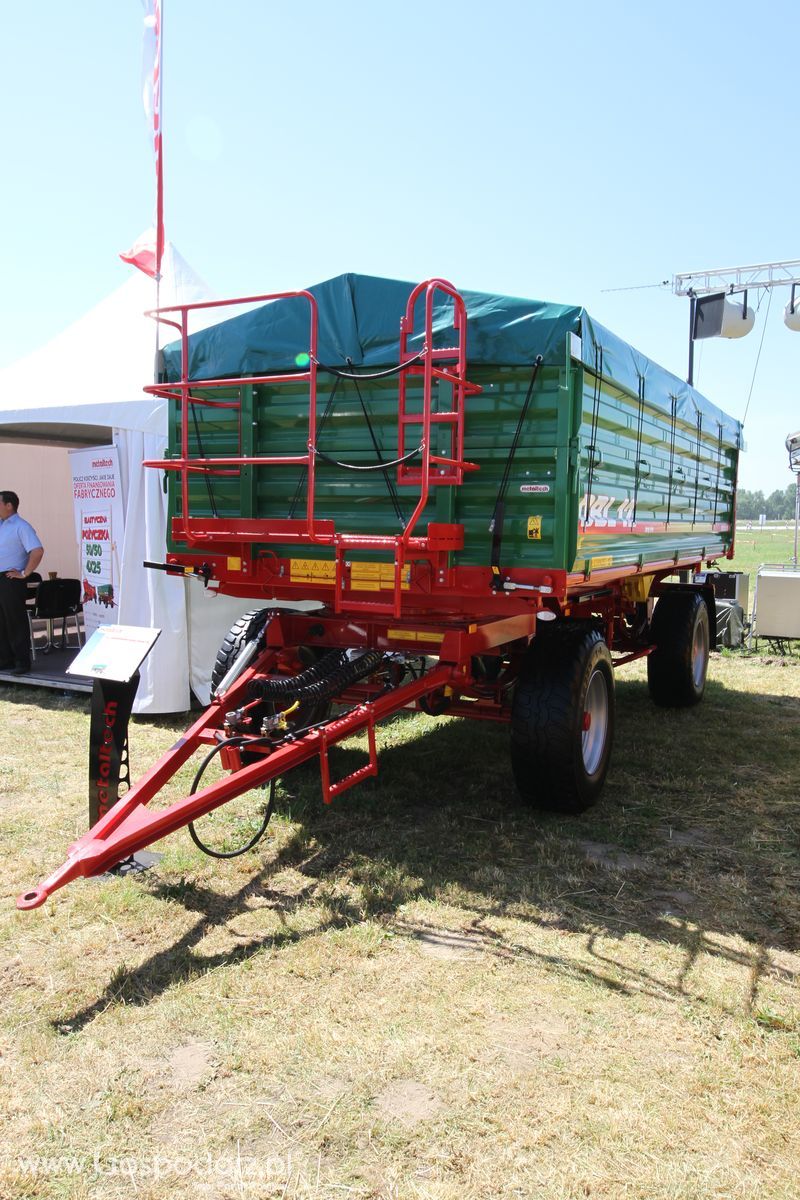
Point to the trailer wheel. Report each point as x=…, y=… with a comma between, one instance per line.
x=243, y=631
x=677, y=668
x=240, y=633
x=562, y=721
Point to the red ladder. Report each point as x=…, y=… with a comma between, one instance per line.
x=449, y=469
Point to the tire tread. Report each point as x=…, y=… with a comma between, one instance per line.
x=543, y=721
x=669, y=667
x=241, y=632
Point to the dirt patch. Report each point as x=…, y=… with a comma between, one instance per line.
x=15, y=974
x=603, y=854
x=329, y=1087
x=785, y=964
x=523, y=1046
x=697, y=838
x=408, y=1101
x=289, y=883
x=190, y=1065
x=450, y=943
x=673, y=903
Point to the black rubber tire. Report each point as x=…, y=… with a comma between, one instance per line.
x=240, y=633
x=676, y=669
x=558, y=764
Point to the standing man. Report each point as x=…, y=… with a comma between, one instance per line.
x=20, y=553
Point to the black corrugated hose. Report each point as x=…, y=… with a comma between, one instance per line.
x=322, y=681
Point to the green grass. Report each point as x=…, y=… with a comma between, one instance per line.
x=423, y=990
x=773, y=544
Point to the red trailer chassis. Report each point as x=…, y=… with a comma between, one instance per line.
x=432, y=651
x=452, y=685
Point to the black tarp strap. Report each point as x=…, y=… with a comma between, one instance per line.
x=496, y=523
x=593, y=452
x=301, y=482
x=697, y=473
x=637, y=475
x=374, y=374
x=378, y=466
x=381, y=465
x=395, y=499
x=673, y=422
x=206, y=474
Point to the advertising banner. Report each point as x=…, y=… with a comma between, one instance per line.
x=99, y=526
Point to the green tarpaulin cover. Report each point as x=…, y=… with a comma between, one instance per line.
x=359, y=319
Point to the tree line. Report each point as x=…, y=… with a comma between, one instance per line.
x=778, y=505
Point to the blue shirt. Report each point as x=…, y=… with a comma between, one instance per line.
x=17, y=539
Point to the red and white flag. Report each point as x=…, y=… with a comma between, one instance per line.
x=143, y=254
x=148, y=249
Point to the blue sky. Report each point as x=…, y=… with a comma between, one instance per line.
x=535, y=149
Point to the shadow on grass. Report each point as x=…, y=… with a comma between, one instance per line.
x=695, y=840
x=44, y=698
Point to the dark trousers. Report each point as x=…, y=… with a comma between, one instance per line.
x=15, y=638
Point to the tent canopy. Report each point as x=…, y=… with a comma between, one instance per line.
x=88, y=379
x=84, y=388
x=55, y=433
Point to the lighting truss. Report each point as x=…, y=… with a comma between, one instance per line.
x=737, y=279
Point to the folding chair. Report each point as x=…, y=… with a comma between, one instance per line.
x=59, y=599
x=32, y=582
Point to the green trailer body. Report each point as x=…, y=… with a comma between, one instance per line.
x=619, y=463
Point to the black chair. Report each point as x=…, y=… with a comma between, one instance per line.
x=32, y=583
x=59, y=599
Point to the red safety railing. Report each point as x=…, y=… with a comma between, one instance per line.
x=182, y=391
x=428, y=470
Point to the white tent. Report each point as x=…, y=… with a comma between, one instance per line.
x=84, y=388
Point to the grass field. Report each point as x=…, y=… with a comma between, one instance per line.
x=423, y=991
x=772, y=544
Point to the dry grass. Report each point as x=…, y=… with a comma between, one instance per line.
x=423, y=991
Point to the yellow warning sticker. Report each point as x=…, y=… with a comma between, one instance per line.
x=414, y=635
x=364, y=576
x=234, y=564
x=369, y=570
x=311, y=570
x=601, y=560
x=534, y=529
x=375, y=576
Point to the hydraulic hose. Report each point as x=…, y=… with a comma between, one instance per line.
x=286, y=687
x=322, y=681
x=262, y=829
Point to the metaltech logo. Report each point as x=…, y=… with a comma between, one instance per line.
x=104, y=756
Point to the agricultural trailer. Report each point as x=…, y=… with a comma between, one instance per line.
x=462, y=503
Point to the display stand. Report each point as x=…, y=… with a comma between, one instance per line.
x=109, y=766
x=112, y=657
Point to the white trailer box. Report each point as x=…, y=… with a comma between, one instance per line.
x=777, y=603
